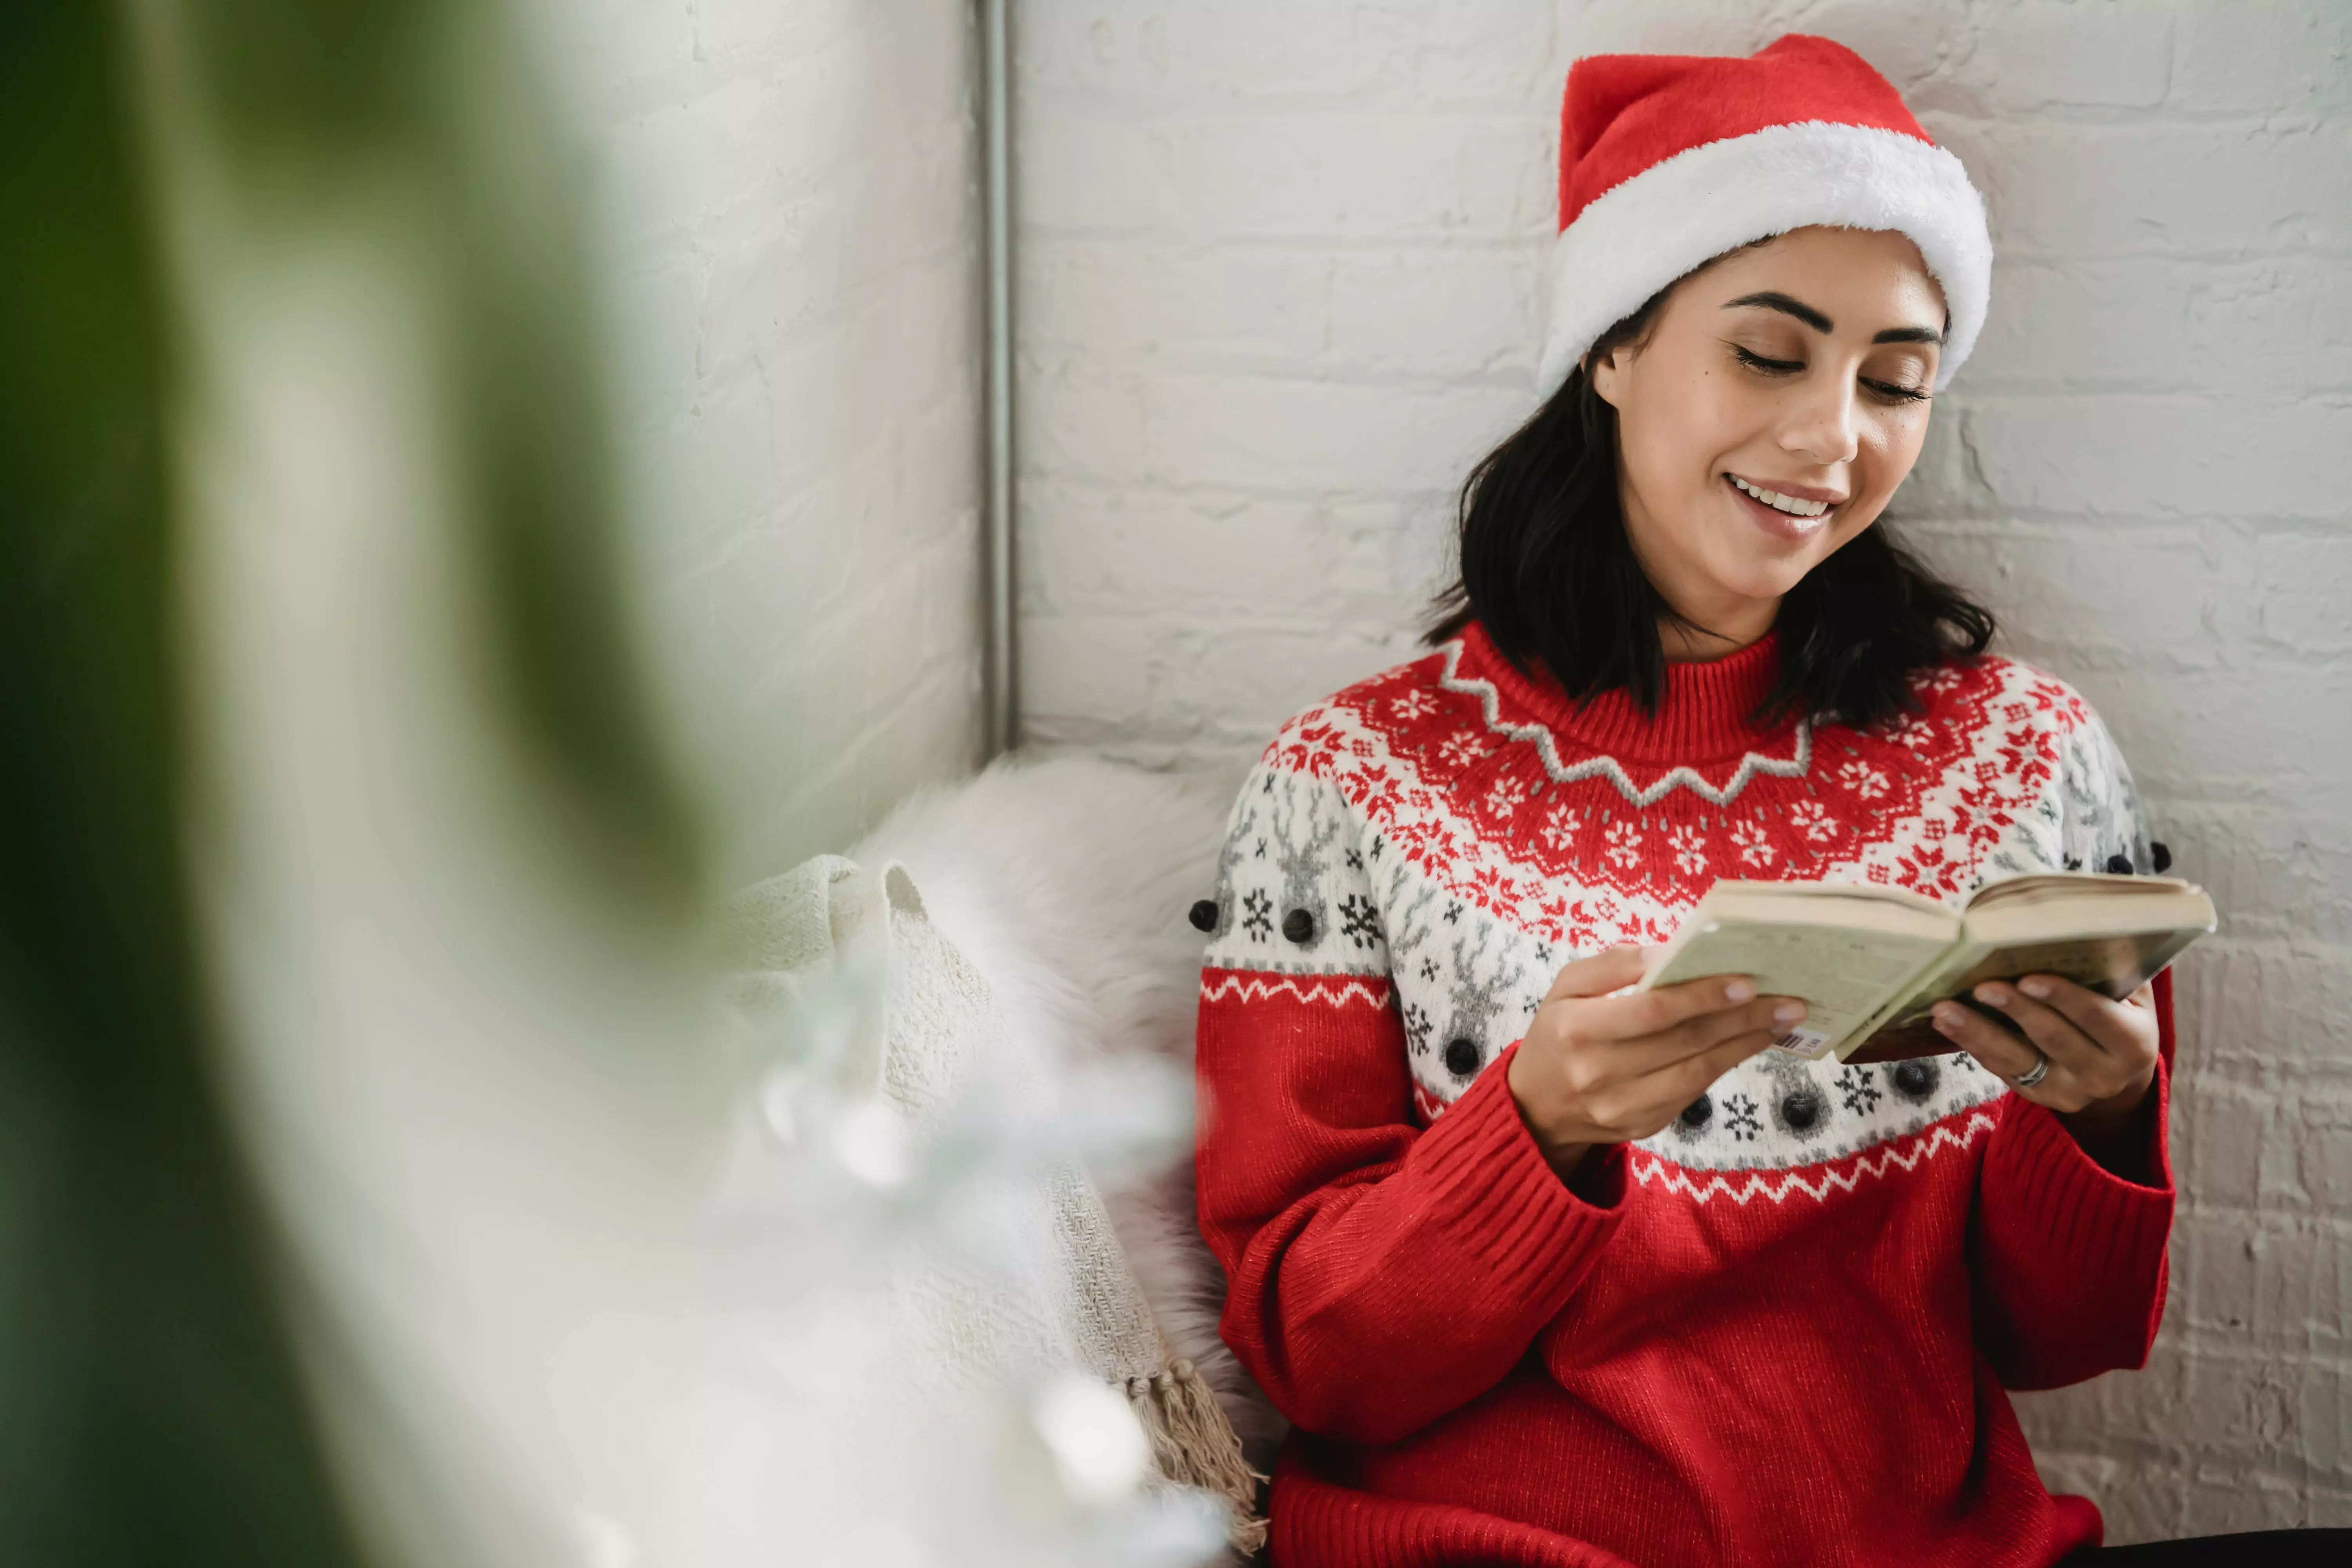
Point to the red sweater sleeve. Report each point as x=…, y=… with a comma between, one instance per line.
x=1379, y=1274
x=2069, y=1259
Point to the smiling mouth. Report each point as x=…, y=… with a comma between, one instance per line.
x=1790, y=506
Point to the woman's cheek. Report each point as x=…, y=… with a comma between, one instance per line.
x=1892, y=455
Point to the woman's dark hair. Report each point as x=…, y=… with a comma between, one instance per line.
x=1548, y=568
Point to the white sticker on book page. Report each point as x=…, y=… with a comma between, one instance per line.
x=1811, y=1044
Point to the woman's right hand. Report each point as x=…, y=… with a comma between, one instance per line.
x=1596, y=1068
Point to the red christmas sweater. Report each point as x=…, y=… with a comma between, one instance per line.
x=1780, y=1331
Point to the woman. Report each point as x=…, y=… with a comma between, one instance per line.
x=1546, y=1274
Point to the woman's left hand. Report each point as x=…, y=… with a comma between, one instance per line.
x=2103, y=1054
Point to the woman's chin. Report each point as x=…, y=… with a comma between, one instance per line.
x=1764, y=574
x=1757, y=564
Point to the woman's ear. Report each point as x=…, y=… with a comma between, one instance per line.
x=1607, y=374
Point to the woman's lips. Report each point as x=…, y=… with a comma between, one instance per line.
x=1784, y=526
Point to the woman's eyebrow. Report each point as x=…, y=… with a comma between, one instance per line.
x=1772, y=299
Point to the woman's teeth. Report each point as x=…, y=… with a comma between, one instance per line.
x=1779, y=503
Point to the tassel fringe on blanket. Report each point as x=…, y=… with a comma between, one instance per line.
x=1193, y=1445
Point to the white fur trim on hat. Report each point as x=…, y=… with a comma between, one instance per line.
x=1642, y=235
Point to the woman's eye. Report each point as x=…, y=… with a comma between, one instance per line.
x=1755, y=361
x=1888, y=391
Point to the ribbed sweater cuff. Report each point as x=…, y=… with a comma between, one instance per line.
x=1492, y=1189
x=2086, y=1212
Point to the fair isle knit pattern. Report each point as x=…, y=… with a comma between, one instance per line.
x=1776, y=1332
x=1447, y=828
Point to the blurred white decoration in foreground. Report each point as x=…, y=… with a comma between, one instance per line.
x=1100, y=1450
x=872, y=1142
x=926, y=1231
x=588, y=1269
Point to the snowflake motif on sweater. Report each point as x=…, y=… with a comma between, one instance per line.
x=1490, y=842
x=1815, y=1270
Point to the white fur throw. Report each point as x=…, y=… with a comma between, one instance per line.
x=1066, y=883
x=1027, y=922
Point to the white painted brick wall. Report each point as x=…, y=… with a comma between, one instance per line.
x=1279, y=284
x=789, y=191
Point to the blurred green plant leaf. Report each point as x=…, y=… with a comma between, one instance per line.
x=150, y=1404
x=149, y=1407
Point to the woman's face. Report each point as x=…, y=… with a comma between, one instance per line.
x=1800, y=367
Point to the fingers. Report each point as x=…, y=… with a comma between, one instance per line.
x=1627, y=1069
x=1685, y=1079
x=2101, y=1053
x=2002, y=1052
x=2057, y=1034
x=1597, y=975
x=2120, y=1039
x=1648, y=1012
x=1653, y=1012
x=2116, y=1027
x=1656, y=1012
x=1774, y=1016
x=1678, y=1019
x=1597, y=1066
x=1637, y=1106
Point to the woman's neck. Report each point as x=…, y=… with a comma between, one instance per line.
x=1702, y=621
x=1693, y=639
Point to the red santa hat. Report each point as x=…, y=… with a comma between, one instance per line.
x=1669, y=160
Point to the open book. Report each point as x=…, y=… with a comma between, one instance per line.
x=1871, y=962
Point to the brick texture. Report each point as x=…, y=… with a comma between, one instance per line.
x=1279, y=283
x=789, y=195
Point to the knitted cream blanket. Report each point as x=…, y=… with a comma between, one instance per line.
x=1080, y=1305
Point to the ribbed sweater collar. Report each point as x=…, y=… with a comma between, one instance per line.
x=1704, y=716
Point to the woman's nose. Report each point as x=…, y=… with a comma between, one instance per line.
x=1823, y=429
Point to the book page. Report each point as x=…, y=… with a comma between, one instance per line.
x=2083, y=889
x=2058, y=914
x=1863, y=906
x=1844, y=976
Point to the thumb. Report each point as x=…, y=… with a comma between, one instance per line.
x=1597, y=975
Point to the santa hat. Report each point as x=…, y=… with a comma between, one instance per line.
x=1669, y=160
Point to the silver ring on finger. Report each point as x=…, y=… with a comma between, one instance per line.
x=2034, y=1074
